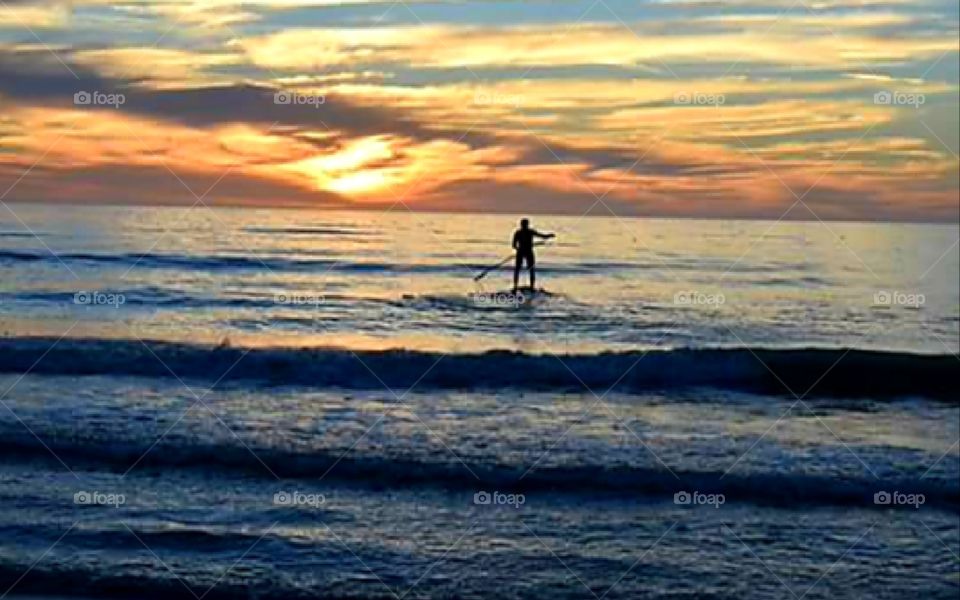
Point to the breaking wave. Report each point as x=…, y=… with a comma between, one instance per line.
x=799, y=372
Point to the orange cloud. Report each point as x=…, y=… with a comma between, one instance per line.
x=583, y=44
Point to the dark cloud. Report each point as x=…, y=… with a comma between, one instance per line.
x=38, y=77
x=511, y=198
x=156, y=185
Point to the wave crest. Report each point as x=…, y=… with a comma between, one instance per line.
x=801, y=372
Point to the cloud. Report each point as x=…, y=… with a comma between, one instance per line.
x=38, y=15
x=33, y=75
x=154, y=66
x=470, y=114
x=576, y=45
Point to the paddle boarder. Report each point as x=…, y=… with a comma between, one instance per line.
x=523, y=244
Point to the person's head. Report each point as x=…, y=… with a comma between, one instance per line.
x=524, y=223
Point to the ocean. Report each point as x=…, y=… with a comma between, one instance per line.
x=248, y=403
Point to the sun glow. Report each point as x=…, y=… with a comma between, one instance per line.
x=360, y=182
x=357, y=168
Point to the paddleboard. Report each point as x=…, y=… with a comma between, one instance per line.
x=522, y=297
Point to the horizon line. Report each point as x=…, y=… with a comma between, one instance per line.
x=232, y=205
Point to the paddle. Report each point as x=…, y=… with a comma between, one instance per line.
x=501, y=263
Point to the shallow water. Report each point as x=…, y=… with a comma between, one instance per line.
x=387, y=491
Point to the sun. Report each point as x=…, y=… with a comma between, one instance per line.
x=357, y=168
x=360, y=182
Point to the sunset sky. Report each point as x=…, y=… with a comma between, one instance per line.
x=831, y=109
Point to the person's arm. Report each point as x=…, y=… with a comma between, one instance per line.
x=516, y=241
x=545, y=236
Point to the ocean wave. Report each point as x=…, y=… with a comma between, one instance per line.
x=91, y=582
x=197, y=536
x=800, y=372
x=584, y=481
x=151, y=260
x=160, y=298
x=22, y=234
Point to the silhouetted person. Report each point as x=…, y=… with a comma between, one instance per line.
x=523, y=244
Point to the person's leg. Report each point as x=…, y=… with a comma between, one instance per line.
x=533, y=271
x=516, y=272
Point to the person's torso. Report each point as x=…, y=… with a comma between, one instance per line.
x=524, y=240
